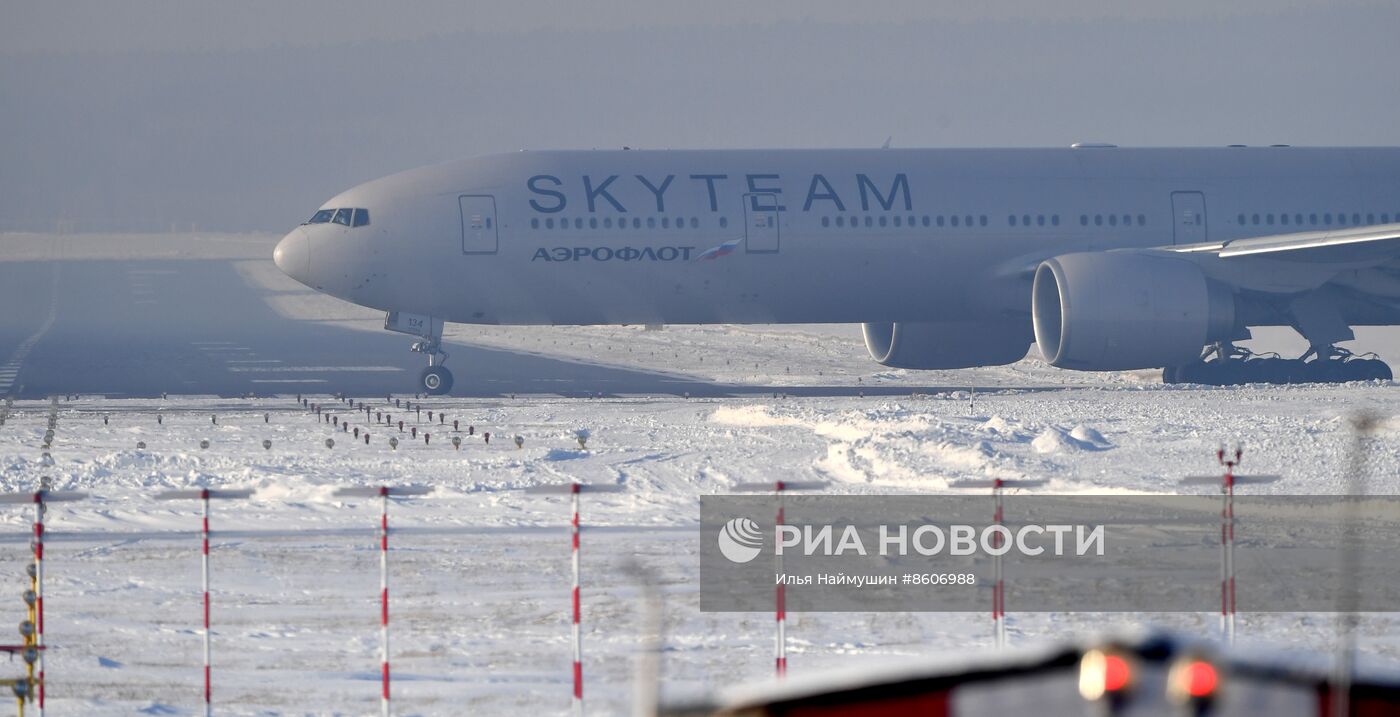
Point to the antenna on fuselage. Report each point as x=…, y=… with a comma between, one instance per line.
x=888, y=140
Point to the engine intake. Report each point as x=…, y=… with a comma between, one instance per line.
x=946, y=344
x=1123, y=310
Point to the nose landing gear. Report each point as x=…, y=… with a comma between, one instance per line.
x=435, y=380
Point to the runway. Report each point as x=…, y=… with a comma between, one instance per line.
x=143, y=328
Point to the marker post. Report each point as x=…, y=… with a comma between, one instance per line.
x=39, y=499
x=384, y=493
x=998, y=485
x=573, y=490
x=204, y=495
x=1227, y=531
x=780, y=592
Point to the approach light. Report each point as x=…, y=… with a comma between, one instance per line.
x=30, y=597
x=1104, y=674
x=267, y=445
x=26, y=629
x=1192, y=680
x=330, y=443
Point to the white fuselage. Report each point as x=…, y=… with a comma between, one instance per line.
x=798, y=236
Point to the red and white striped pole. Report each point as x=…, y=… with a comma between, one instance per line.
x=578, y=636
x=576, y=597
x=40, y=499
x=1227, y=533
x=39, y=591
x=998, y=586
x=384, y=599
x=383, y=493
x=204, y=495
x=780, y=591
x=998, y=486
x=204, y=585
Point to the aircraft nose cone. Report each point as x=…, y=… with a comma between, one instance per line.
x=293, y=255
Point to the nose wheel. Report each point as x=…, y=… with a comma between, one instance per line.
x=435, y=380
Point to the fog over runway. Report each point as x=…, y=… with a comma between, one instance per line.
x=138, y=326
x=209, y=314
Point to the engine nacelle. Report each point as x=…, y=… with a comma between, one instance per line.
x=1123, y=310
x=953, y=344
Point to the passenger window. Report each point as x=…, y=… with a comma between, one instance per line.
x=593, y=222
x=982, y=220
x=941, y=220
x=723, y=222
x=342, y=216
x=1098, y=220
x=954, y=220
x=1385, y=219
x=1327, y=218
x=362, y=219
x=1025, y=220
x=1370, y=219
x=694, y=222
x=1269, y=219
x=1040, y=220
x=651, y=222
x=549, y=223
x=1312, y=219
x=912, y=220
x=1055, y=220
x=1142, y=220
x=535, y=223
x=1283, y=219
x=1011, y=219
x=925, y=220
x=665, y=222
x=1083, y=220
x=826, y=221
x=1242, y=220
x=578, y=222
x=1256, y=220
x=1113, y=220
x=840, y=221
x=1356, y=219
x=899, y=221
x=1298, y=219
x=882, y=221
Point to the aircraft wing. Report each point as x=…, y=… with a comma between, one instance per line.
x=1366, y=259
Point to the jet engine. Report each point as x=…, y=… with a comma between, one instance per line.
x=1122, y=310
x=950, y=344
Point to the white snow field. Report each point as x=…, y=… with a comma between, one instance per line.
x=480, y=569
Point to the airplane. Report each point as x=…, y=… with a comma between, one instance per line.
x=1107, y=258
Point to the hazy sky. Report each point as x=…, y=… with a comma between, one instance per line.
x=246, y=115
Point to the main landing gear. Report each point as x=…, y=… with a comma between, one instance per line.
x=435, y=380
x=1233, y=365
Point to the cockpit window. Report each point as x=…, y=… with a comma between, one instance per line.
x=344, y=216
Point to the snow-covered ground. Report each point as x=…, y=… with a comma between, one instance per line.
x=480, y=571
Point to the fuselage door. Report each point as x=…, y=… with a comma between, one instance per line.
x=479, y=227
x=761, y=223
x=1189, y=218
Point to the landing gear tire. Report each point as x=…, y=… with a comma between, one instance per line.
x=435, y=380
